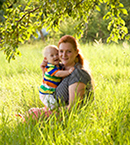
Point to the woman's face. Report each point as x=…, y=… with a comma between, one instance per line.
x=67, y=54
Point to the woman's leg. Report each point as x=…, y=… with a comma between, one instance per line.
x=37, y=113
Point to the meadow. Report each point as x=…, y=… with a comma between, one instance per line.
x=105, y=121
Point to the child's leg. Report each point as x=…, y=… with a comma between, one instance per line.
x=43, y=99
x=48, y=100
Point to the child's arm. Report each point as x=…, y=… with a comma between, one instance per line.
x=64, y=73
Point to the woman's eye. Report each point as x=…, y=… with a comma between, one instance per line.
x=61, y=51
x=69, y=51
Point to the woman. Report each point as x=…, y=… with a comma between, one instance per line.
x=79, y=83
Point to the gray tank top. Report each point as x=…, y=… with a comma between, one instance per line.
x=78, y=75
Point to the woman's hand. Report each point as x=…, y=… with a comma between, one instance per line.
x=43, y=65
x=71, y=70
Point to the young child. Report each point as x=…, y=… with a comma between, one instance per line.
x=52, y=76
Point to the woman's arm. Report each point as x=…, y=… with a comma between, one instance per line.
x=43, y=65
x=76, y=90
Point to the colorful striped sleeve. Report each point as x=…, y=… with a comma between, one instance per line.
x=52, y=71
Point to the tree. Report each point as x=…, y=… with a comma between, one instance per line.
x=97, y=27
x=22, y=20
x=126, y=4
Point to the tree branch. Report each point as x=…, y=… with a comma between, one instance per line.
x=78, y=4
x=27, y=13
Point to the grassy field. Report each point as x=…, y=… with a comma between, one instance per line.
x=105, y=121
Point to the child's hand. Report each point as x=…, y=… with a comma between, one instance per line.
x=71, y=70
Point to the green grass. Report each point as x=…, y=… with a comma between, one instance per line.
x=105, y=121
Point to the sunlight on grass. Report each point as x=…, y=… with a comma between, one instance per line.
x=105, y=121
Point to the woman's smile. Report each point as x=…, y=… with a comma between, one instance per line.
x=67, y=54
x=64, y=58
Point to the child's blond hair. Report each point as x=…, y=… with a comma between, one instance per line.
x=49, y=47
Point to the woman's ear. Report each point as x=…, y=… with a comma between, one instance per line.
x=77, y=51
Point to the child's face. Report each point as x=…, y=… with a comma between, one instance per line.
x=52, y=56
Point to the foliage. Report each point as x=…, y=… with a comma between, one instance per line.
x=97, y=27
x=66, y=27
x=105, y=121
x=126, y=18
x=23, y=18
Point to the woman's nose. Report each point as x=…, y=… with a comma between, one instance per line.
x=64, y=54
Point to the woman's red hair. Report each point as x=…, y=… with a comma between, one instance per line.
x=72, y=40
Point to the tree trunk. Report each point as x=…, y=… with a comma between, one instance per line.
x=42, y=36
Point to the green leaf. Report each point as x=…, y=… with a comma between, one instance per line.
x=107, y=16
x=124, y=11
x=97, y=8
x=122, y=21
x=127, y=37
x=125, y=30
x=121, y=5
x=108, y=39
x=110, y=24
x=21, y=40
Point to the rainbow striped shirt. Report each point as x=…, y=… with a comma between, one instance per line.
x=50, y=82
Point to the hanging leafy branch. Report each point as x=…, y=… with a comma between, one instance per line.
x=22, y=19
x=116, y=24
